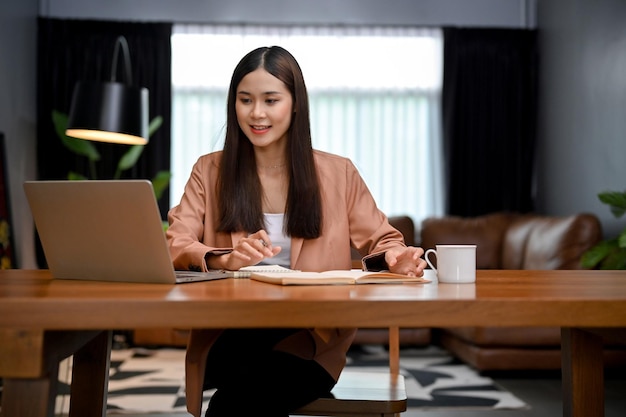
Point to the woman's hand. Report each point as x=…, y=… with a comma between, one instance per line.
x=249, y=251
x=406, y=261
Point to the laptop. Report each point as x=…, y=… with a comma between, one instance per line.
x=107, y=230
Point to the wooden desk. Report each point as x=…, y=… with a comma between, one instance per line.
x=41, y=320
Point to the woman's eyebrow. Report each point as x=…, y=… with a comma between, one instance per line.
x=266, y=93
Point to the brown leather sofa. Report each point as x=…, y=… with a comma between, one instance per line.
x=514, y=241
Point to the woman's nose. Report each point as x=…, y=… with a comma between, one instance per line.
x=258, y=111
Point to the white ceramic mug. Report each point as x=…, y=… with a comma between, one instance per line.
x=456, y=264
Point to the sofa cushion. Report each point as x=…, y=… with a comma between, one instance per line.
x=502, y=358
x=508, y=336
x=548, y=242
x=494, y=356
x=486, y=232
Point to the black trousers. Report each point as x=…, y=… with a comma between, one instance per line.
x=252, y=379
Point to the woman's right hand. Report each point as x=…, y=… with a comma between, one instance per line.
x=248, y=251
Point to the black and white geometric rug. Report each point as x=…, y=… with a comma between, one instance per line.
x=152, y=381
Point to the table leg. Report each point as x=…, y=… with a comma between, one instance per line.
x=30, y=366
x=583, y=373
x=394, y=350
x=29, y=397
x=90, y=377
x=29, y=384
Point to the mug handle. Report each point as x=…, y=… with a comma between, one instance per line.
x=428, y=252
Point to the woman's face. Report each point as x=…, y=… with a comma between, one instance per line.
x=264, y=107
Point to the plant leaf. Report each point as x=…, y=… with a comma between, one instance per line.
x=75, y=176
x=154, y=125
x=594, y=256
x=616, y=200
x=621, y=239
x=78, y=146
x=129, y=159
x=160, y=183
x=616, y=259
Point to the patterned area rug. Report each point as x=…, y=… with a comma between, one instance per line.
x=152, y=381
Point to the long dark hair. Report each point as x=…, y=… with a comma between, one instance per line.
x=239, y=188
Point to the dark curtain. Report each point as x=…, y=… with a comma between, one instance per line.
x=82, y=50
x=489, y=119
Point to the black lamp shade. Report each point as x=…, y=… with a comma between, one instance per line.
x=109, y=112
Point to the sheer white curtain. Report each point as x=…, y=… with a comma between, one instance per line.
x=374, y=96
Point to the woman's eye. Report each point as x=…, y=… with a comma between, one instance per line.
x=271, y=100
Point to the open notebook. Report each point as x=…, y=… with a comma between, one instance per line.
x=104, y=231
x=339, y=277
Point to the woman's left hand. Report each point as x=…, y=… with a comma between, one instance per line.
x=406, y=261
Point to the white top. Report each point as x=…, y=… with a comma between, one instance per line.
x=274, y=228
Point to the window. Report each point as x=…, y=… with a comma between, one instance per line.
x=374, y=97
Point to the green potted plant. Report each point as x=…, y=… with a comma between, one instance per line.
x=128, y=160
x=610, y=253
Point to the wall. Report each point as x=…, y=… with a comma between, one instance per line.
x=505, y=13
x=18, y=49
x=582, y=127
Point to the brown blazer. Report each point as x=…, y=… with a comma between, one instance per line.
x=350, y=218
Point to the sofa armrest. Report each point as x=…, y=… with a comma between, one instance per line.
x=406, y=226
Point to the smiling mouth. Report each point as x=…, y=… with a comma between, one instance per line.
x=258, y=129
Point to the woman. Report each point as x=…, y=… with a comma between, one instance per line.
x=268, y=197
